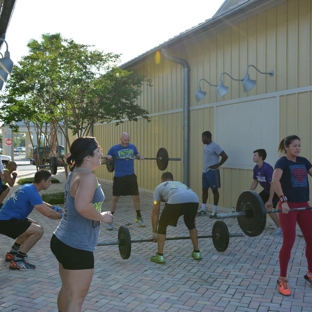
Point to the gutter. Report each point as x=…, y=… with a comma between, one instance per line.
x=186, y=113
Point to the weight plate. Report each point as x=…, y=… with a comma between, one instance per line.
x=110, y=165
x=220, y=236
x=124, y=242
x=253, y=223
x=162, y=159
x=53, y=165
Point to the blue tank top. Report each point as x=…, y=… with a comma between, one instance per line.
x=75, y=230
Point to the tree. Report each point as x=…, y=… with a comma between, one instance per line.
x=71, y=86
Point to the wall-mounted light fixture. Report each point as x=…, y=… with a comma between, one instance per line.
x=199, y=93
x=6, y=65
x=248, y=84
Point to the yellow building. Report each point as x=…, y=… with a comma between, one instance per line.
x=271, y=35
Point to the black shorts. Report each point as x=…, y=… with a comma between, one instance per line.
x=172, y=212
x=3, y=188
x=14, y=228
x=127, y=185
x=71, y=258
x=265, y=197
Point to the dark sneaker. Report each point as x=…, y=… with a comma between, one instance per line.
x=308, y=277
x=196, y=255
x=22, y=265
x=158, y=259
x=201, y=213
x=283, y=287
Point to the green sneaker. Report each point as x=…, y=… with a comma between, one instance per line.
x=196, y=255
x=158, y=259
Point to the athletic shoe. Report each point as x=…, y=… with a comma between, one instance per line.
x=278, y=232
x=22, y=265
x=201, y=213
x=158, y=259
x=196, y=255
x=140, y=221
x=308, y=277
x=283, y=287
x=213, y=215
x=110, y=226
x=9, y=257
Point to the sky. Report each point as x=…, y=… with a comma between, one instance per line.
x=125, y=27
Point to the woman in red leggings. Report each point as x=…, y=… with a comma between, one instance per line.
x=290, y=182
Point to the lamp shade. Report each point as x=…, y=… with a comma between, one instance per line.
x=248, y=83
x=3, y=75
x=7, y=64
x=200, y=95
x=221, y=89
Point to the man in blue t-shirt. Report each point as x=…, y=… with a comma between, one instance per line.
x=125, y=181
x=14, y=221
x=262, y=174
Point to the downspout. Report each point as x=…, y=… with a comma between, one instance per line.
x=186, y=113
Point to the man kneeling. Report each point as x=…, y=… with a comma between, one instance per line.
x=15, y=224
x=180, y=201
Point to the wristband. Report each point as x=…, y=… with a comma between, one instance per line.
x=57, y=208
x=14, y=177
x=283, y=198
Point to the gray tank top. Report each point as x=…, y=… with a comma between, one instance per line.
x=75, y=230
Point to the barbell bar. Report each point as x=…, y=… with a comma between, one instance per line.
x=220, y=237
x=251, y=213
x=162, y=160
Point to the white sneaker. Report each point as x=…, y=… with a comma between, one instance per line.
x=109, y=226
x=278, y=232
x=140, y=221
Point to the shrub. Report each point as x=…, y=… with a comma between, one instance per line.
x=31, y=180
x=53, y=198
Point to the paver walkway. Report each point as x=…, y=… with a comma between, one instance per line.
x=243, y=278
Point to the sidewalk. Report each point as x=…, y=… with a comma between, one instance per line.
x=243, y=278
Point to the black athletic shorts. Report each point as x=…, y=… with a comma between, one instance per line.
x=71, y=258
x=127, y=185
x=3, y=188
x=172, y=212
x=14, y=228
x=265, y=197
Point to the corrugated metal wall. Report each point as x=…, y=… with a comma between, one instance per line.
x=277, y=39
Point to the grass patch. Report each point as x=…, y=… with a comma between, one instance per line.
x=53, y=198
x=31, y=180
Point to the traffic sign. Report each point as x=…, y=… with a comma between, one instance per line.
x=8, y=141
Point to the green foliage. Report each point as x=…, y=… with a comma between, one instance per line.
x=72, y=86
x=53, y=198
x=22, y=181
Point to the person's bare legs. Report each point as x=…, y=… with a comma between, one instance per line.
x=113, y=204
x=75, y=287
x=161, y=238
x=136, y=202
x=30, y=237
x=194, y=238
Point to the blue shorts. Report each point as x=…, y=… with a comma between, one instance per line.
x=211, y=179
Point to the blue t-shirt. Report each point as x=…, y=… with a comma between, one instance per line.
x=123, y=167
x=21, y=203
x=294, y=180
x=263, y=175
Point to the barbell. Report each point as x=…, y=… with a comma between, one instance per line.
x=162, y=160
x=220, y=237
x=251, y=213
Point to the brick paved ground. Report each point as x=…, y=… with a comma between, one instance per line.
x=243, y=278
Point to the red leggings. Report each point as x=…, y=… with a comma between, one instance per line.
x=288, y=225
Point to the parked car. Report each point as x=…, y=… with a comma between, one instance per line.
x=44, y=155
x=20, y=149
x=5, y=159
